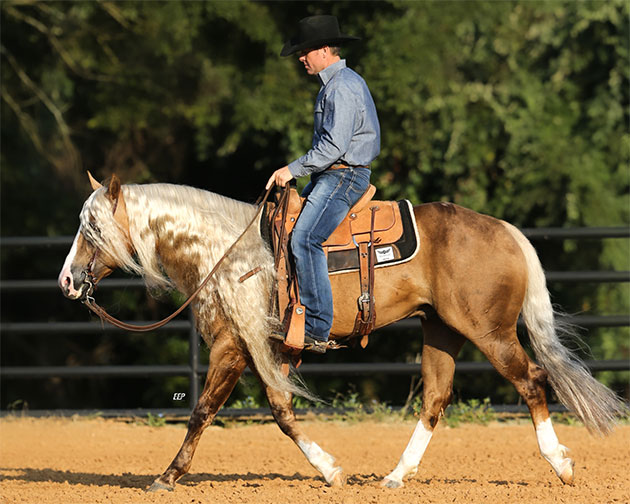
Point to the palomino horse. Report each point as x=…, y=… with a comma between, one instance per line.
x=470, y=280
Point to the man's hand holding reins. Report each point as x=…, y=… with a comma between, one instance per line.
x=280, y=177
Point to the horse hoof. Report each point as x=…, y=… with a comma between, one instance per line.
x=390, y=483
x=338, y=479
x=566, y=476
x=159, y=487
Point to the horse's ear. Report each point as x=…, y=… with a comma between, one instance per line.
x=93, y=182
x=114, y=193
x=114, y=188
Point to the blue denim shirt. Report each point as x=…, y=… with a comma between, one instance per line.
x=346, y=124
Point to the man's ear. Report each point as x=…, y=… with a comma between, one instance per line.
x=93, y=182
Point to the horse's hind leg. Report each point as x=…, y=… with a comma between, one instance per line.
x=226, y=366
x=441, y=346
x=506, y=354
x=282, y=410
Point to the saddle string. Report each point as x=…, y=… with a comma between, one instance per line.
x=90, y=302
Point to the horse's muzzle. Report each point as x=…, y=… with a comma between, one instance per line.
x=67, y=284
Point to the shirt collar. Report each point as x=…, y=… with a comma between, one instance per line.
x=327, y=73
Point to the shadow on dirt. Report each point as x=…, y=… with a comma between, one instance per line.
x=129, y=480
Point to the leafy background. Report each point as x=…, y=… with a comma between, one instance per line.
x=517, y=109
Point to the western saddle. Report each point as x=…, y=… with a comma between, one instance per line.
x=367, y=223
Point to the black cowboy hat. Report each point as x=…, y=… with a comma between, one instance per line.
x=316, y=31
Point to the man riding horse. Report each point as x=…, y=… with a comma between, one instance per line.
x=469, y=281
x=346, y=140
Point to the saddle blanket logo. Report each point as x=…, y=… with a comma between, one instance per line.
x=384, y=254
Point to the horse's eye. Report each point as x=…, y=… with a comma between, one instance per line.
x=88, y=240
x=95, y=230
x=91, y=233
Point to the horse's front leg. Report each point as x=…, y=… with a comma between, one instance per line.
x=226, y=366
x=282, y=410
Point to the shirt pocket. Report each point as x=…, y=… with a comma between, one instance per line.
x=318, y=116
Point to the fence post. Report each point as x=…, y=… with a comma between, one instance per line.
x=193, y=356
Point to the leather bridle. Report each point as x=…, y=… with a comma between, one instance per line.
x=91, y=280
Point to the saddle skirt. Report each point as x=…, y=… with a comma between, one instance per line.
x=395, y=238
x=357, y=226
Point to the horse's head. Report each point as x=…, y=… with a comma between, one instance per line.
x=102, y=235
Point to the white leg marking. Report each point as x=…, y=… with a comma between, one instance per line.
x=553, y=451
x=408, y=464
x=322, y=461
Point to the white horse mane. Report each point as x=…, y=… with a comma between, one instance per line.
x=178, y=234
x=167, y=210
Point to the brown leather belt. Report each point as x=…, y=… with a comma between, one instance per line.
x=341, y=166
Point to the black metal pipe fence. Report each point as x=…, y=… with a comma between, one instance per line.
x=194, y=369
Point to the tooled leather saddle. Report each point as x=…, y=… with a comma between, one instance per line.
x=368, y=227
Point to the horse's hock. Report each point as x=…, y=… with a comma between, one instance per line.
x=48, y=461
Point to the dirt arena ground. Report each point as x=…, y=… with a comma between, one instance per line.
x=67, y=461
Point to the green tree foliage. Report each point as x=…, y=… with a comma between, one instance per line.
x=516, y=109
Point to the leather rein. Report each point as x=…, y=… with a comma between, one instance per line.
x=90, y=279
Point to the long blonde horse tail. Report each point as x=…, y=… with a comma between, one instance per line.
x=595, y=405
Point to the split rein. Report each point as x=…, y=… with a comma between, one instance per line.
x=90, y=302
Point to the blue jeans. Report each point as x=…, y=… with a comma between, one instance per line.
x=329, y=196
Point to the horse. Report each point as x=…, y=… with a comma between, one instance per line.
x=471, y=279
